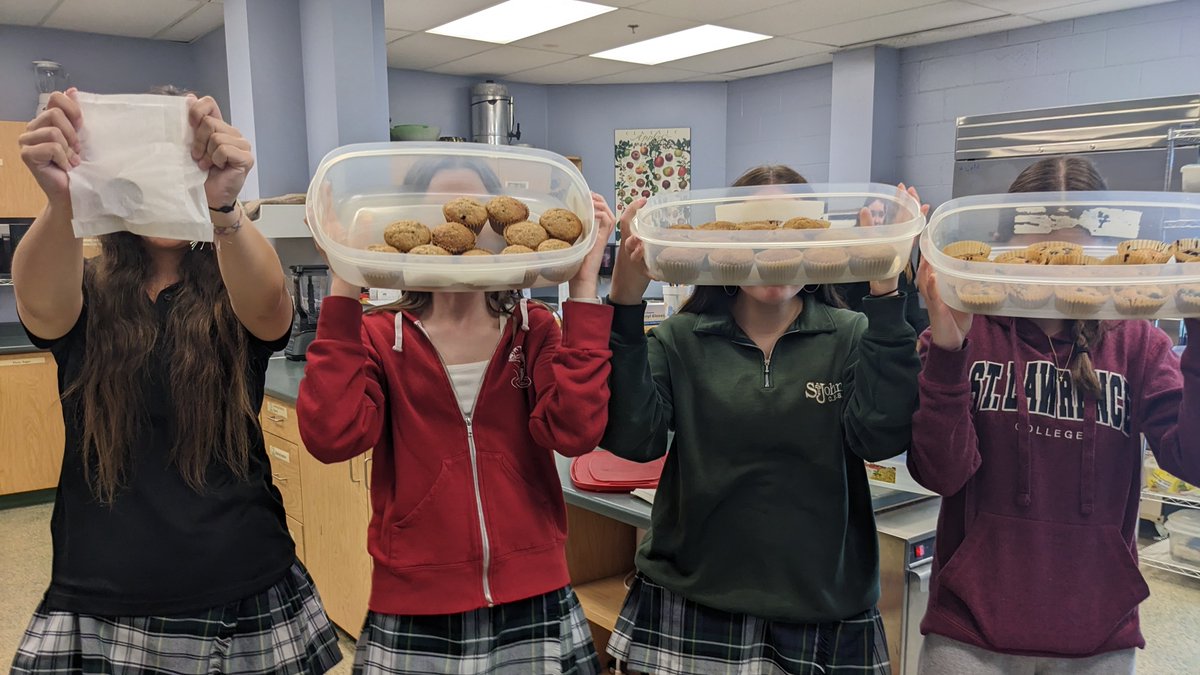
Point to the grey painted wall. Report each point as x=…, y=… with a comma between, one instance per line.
x=780, y=119
x=212, y=69
x=417, y=97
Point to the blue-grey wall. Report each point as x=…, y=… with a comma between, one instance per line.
x=212, y=70
x=1150, y=51
x=780, y=119
x=417, y=97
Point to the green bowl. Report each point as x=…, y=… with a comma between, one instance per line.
x=415, y=132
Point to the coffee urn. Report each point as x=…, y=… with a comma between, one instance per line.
x=492, y=115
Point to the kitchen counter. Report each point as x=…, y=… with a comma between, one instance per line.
x=283, y=379
x=13, y=339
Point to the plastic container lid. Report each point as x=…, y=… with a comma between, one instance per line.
x=358, y=190
x=680, y=247
x=1096, y=221
x=1186, y=523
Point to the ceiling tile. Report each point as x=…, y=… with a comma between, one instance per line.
x=391, y=35
x=706, y=11
x=24, y=12
x=570, y=72
x=996, y=25
x=130, y=18
x=423, y=50
x=940, y=15
x=1090, y=8
x=209, y=17
x=749, y=56
x=605, y=32
x=803, y=15
x=1023, y=6
x=500, y=61
x=416, y=15
x=782, y=66
x=645, y=75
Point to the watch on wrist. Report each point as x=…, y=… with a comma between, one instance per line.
x=224, y=209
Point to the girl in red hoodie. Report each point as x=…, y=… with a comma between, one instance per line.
x=464, y=398
x=1031, y=431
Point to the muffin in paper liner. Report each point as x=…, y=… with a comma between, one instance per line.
x=681, y=265
x=873, y=261
x=1080, y=301
x=979, y=296
x=964, y=250
x=825, y=264
x=731, y=266
x=1140, y=300
x=778, y=266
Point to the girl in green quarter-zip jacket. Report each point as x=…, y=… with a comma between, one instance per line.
x=762, y=555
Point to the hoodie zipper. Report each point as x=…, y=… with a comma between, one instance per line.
x=768, y=383
x=468, y=422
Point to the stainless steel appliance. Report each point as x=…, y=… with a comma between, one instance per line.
x=11, y=232
x=493, y=114
x=906, y=545
x=310, y=285
x=1128, y=142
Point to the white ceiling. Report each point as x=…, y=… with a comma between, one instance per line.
x=805, y=32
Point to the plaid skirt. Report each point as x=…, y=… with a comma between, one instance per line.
x=662, y=633
x=282, y=630
x=547, y=634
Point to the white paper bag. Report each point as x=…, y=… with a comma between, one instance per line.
x=137, y=173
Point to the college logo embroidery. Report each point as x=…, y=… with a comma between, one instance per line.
x=517, y=358
x=1049, y=392
x=823, y=392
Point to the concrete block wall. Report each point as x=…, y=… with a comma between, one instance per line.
x=1144, y=52
x=780, y=119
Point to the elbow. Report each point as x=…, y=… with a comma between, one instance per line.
x=645, y=449
x=332, y=448
x=941, y=478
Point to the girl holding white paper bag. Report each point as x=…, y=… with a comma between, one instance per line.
x=171, y=552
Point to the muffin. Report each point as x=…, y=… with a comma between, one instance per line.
x=428, y=249
x=477, y=252
x=825, y=264
x=680, y=226
x=1030, y=296
x=1047, y=249
x=680, y=265
x=731, y=266
x=504, y=211
x=454, y=237
x=1186, y=250
x=1017, y=258
x=1114, y=259
x=756, y=225
x=553, y=245
x=872, y=261
x=382, y=248
x=527, y=234
x=806, y=224
x=1187, y=299
x=1079, y=301
x=1139, y=300
x=466, y=212
x=404, y=235
x=779, y=266
x=515, y=249
x=978, y=296
x=382, y=279
x=964, y=250
x=718, y=225
x=1067, y=259
x=561, y=224
x=1127, y=247
x=1145, y=256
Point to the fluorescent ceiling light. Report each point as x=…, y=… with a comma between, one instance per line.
x=685, y=43
x=517, y=19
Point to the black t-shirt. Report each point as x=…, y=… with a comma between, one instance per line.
x=162, y=548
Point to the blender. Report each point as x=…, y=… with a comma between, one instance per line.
x=310, y=284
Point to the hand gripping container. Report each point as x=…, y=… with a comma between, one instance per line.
x=358, y=190
x=1093, y=276
x=779, y=234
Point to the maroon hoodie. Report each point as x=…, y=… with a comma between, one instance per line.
x=1036, y=541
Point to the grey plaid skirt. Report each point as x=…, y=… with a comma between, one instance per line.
x=662, y=633
x=282, y=630
x=543, y=635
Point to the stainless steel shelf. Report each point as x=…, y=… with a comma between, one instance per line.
x=1159, y=556
x=6, y=282
x=1190, y=501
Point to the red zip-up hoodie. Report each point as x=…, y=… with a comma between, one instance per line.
x=467, y=511
x=1036, y=540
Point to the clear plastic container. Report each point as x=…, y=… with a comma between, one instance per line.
x=844, y=251
x=1184, y=530
x=358, y=190
x=1096, y=221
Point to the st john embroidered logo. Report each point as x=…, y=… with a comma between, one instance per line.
x=517, y=358
x=823, y=392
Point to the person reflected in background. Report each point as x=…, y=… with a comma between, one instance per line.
x=852, y=294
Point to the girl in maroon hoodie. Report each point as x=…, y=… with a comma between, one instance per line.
x=1031, y=431
x=464, y=398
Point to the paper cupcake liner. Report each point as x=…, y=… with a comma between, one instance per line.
x=1143, y=245
x=872, y=267
x=1186, y=250
x=1188, y=303
x=1030, y=297
x=1075, y=305
x=730, y=273
x=967, y=248
x=981, y=300
x=679, y=271
x=1138, y=305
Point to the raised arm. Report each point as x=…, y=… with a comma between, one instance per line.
x=47, y=267
x=1170, y=416
x=640, y=409
x=249, y=265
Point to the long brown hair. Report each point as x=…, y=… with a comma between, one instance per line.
x=207, y=350
x=706, y=299
x=1061, y=174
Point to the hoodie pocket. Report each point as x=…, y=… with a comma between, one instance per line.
x=526, y=517
x=441, y=529
x=1043, y=586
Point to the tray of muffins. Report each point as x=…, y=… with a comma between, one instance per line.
x=779, y=234
x=1068, y=255
x=450, y=216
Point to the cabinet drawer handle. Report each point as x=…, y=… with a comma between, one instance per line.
x=353, y=478
x=367, y=472
x=279, y=478
x=275, y=419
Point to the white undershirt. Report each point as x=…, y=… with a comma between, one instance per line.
x=466, y=378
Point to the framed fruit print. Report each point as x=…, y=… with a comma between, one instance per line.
x=650, y=161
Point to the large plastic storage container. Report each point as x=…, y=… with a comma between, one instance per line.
x=1184, y=530
x=1099, y=222
x=681, y=248
x=358, y=190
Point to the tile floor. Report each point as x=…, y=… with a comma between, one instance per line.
x=1170, y=618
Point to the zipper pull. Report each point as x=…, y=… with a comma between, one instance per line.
x=470, y=430
x=767, y=373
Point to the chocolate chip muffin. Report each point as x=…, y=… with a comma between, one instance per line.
x=467, y=212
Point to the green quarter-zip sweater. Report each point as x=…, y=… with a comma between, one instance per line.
x=764, y=506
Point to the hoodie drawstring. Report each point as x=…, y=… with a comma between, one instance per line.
x=1024, y=496
x=399, y=345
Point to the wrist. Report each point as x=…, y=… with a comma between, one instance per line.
x=227, y=223
x=582, y=289
x=345, y=289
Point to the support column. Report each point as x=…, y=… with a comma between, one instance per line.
x=863, y=129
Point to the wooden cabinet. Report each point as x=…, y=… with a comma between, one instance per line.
x=20, y=196
x=31, y=423
x=600, y=553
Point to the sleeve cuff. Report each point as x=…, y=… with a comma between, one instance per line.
x=945, y=368
x=629, y=320
x=340, y=319
x=886, y=315
x=586, y=325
